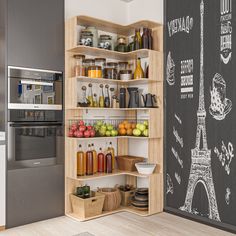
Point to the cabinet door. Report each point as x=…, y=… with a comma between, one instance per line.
x=2, y=185
x=36, y=34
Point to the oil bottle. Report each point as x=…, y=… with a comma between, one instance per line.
x=95, y=161
x=89, y=161
x=101, y=161
x=81, y=162
x=112, y=150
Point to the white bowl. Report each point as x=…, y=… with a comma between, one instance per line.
x=145, y=168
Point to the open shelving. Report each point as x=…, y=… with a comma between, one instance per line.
x=154, y=84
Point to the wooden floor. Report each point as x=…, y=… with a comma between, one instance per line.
x=118, y=224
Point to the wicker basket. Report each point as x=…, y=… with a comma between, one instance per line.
x=126, y=197
x=88, y=207
x=127, y=163
x=112, y=198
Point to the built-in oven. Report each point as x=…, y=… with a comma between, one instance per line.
x=34, y=89
x=34, y=144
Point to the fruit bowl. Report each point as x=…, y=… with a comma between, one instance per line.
x=145, y=168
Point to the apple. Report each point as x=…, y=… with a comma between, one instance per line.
x=137, y=126
x=110, y=127
x=73, y=127
x=102, y=132
x=96, y=127
x=136, y=132
x=114, y=133
x=82, y=128
x=104, y=127
x=87, y=134
x=81, y=122
x=108, y=133
x=92, y=133
x=145, y=123
x=79, y=134
x=71, y=133
x=89, y=127
x=99, y=123
x=142, y=127
x=146, y=133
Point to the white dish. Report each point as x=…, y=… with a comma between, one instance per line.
x=145, y=168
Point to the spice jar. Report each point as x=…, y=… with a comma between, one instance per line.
x=122, y=65
x=79, y=69
x=121, y=44
x=94, y=31
x=86, y=38
x=106, y=42
x=111, y=73
x=95, y=72
x=102, y=63
x=113, y=65
x=125, y=75
x=86, y=64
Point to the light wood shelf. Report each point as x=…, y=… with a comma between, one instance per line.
x=112, y=81
x=154, y=85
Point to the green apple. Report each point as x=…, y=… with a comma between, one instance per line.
x=146, y=133
x=142, y=127
x=110, y=127
x=136, y=132
x=103, y=127
x=137, y=126
x=108, y=133
x=102, y=132
x=145, y=123
x=99, y=123
x=114, y=133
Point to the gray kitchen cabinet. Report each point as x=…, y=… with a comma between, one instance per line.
x=36, y=34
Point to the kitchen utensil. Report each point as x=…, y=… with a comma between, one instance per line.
x=149, y=100
x=145, y=168
x=133, y=97
x=122, y=100
x=125, y=75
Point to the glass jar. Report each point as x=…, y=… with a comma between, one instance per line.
x=111, y=73
x=95, y=72
x=113, y=65
x=106, y=42
x=86, y=64
x=101, y=62
x=122, y=65
x=121, y=44
x=86, y=38
x=94, y=31
x=79, y=69
x=131, y=46
x=125, y=75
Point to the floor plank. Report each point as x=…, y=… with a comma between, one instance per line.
x=117, y=225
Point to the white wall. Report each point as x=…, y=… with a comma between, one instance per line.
x=145, y=10
x=111, y=10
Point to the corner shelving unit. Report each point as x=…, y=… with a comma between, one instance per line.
x=155, y=115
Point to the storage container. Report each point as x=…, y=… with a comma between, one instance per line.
x=126, y=197
x=95, y=72
x=127, y=163
x=89, y=207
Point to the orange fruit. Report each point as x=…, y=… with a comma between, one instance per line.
x=121, y=126
x=129, y=132
x=125, y=122
x=122, y=131
x=128, y=126
x=133, y=126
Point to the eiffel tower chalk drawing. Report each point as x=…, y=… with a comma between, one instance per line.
x=201, y=171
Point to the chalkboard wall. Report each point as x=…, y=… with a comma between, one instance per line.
x=200, y=66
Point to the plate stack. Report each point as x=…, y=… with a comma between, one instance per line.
x=140, y=199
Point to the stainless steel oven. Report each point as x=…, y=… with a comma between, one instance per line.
x=34, y=144
x=34, y=89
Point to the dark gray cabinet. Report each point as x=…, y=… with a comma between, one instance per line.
x=36, y=34
x=34, y=194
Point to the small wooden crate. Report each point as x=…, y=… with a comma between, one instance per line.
x=88, y=207
x=127, y=163
x=126, y=197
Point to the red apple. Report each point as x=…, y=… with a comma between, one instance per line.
x=71, y=133
x=87, y=134
x=92, y=133
x=73, y=127
x=80, y=134
x=81, y=123
x=89, y=127
x=82, y=128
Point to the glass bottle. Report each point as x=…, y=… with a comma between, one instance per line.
x=112, y=93
x=101, y=96
x=145, y=38
x=112, y=150
x=95, y=100
x=101, y=161
x=107, y=97
x=79, y=70
x=90, y=95
x=150, y=39
x=89, y=161
x=137, y=40
x=84, y=96
x=138, y=73
x=81, y=163
x=109, y=162
x=95, y=161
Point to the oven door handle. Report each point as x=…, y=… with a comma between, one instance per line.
x=36, y=125
x=32, y=82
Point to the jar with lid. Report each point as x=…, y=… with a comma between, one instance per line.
x=122, y=65
x=86, y=38
x=113, y=65
x=106, y=42
x=121, y=44
x=102, y=63
x=86, y=64
x=126, y=75
x=95, y=71
x=94, y=31
x=79, y=69
x=111, y=70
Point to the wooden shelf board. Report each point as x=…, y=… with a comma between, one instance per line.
x=112, y=81
x=111, y=27
x=115, y=137
x=130, y=209
x=115, y=173
x=99, y=52
x=104, y=108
